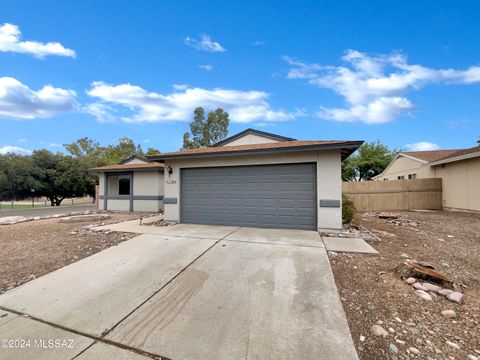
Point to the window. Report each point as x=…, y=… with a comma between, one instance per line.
x=400, y=177
x=385, y=179
x=412, y=176
x=119, y=184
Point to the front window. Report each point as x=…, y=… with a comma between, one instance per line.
x=400, y=177
x=119, y=184
x=412, y=176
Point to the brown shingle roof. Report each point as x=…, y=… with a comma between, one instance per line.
x=120, y=167
x=461, y=152
x=293, y=145
x=430, y=156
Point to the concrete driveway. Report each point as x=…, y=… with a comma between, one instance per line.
x=184, y=292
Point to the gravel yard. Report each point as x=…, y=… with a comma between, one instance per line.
x=32, y=249
x=373, y=294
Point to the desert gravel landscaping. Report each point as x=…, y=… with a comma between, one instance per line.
x=376, y=300
x=32, y=249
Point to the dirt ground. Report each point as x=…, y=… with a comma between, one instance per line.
x=450, y=241
x=31, y=249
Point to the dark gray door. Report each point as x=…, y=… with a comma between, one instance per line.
x=275, y=196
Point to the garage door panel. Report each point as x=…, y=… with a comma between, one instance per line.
x=281, y=196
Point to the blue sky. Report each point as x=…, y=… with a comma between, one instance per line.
x=407, y=75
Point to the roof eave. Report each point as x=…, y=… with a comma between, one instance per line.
x=346, y=147
x=124, y=169
x=454, y=159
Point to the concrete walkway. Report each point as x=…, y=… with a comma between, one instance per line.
x=193, y=292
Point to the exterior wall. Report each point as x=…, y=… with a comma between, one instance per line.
x=404, y=166
x=249, y=139
x=145, y=184
x=118, y=205
x=148, y=183
x=101, y=184
x=461, y=184
x=329, y=185
x=135, y=161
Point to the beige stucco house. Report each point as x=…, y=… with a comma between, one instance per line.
x=253, y=178
x=135, y=184
x=459, y=170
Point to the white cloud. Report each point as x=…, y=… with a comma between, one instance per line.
x=101, y=111
x=205, y=43
x=18, y=101
x=374, y=87
x=422, y=146
x=258, y=43
x=22, y=140
x=10, y=36
x=54, y=145
x=206, y=67
x=14, y=150
x=243, y=106
x=180, y=86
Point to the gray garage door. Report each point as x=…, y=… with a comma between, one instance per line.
x=276, y=196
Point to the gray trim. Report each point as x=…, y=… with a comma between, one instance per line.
x=169, y=200
x=147, y=197
x=347, y=148
x=160, y=167
x=135, y=197
x=115, y=197
x=131, y=193
x=330, y=203
x=255, y=132
x=105, y=191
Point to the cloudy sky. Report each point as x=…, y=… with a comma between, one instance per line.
x=407, y=75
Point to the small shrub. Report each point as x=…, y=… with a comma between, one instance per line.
x=348, y=209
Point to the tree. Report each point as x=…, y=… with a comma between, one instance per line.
x=206, y=132
x=59, y=176
x=369, y=160
x=16, y=177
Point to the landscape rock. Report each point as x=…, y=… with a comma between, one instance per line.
x=456, y=297
x=8, y=220
x=445, y=292
x=472, y=357
x=431, y=287
x=423, y=295
x=452, y=344
x=414, y=350
x=449, y=313
x=377, y=330
x=424, y=271
x=393, y=348
x=410, y=280
x=84, y=218
x=419, y=286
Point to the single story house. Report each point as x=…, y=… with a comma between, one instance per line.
x=135, y=184
x=253, y=178
x=459, y=170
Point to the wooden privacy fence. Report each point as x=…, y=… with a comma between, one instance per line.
x=425, y=194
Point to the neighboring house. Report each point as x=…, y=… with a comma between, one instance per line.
x=459, y=170
x=253, y=179
x=135, y=184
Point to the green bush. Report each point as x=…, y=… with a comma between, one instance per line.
x=348, y=209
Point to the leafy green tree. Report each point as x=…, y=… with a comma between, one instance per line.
x=17, y=177
x=152, y=151
x=206, y=132
x=59, y=176
x=369, y=160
